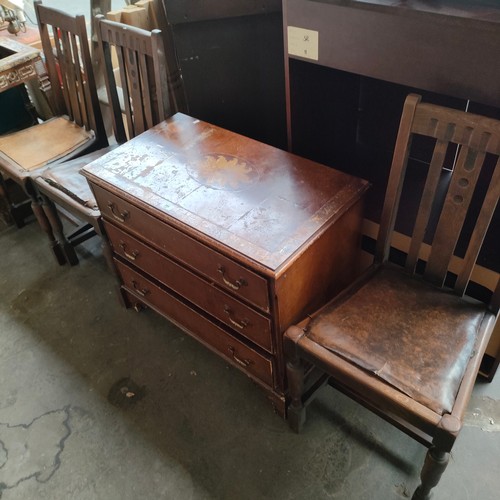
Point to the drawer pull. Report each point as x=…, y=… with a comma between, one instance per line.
x=240, y=324
x=242, y=362
x=141, y=291
x=130, y=256
x=119, y=216
x=235, y=286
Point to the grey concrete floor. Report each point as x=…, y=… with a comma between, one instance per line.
x=196, y=427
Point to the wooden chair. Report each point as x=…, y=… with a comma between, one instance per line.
x=143, y=99
x=77, y=126
x=406, y=345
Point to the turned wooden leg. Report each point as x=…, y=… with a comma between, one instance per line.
x=434, y=465
x=47, y=228
x=55, y=222
x=18, y=212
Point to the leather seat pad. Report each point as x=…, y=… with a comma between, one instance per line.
x=46, y=142
x=414, y=336
x=66, y=178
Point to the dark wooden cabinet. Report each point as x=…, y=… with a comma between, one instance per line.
x=230, y=239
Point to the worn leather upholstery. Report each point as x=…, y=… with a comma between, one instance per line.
x=34, y=147
x=67, y=180
x=414, y=336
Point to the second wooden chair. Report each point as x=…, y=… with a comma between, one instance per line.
x=139, y=92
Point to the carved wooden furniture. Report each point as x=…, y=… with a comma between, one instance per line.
x=230, y=239
x=408, y=346
x=144, y=100
x=78, y=126
x=20, y=63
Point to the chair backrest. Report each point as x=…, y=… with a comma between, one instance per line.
x=475, y=143
x=69, y=67
x=142, y=73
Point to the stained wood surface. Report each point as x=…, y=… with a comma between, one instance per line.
x=255, y=199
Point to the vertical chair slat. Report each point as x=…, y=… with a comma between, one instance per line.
x=481, y=227
x=79, y=83
x=147, y=84
x=125, y=88
x=425, y=208
x=162, y=86
x=396, y=178
x=456, y=205
x=110, y=81
x=69, y=71
x=55, y=97
x=133, y=73
x=62, y=74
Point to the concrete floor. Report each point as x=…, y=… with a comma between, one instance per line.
x=196, y=427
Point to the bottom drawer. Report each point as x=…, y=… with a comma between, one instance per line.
x=140, y=289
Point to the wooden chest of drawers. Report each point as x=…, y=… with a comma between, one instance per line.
x=230, y=239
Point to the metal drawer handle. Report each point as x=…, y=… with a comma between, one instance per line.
x=130, y=256
x=235, y=286
x=119, y=216
x=240, y=324
x=141, y=291
x=242, y=362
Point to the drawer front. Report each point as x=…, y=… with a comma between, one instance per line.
x=144, y=291
x=222, y=270
x=238, y=316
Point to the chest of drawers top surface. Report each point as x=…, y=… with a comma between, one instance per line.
x=257, y=200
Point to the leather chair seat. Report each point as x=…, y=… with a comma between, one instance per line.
x=414, y=336
x=35, y=147
x=66, y=179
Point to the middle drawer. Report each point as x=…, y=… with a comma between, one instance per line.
x=238, y=316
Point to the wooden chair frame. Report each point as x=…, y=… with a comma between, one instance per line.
x=144, y=101
x=73, y=98
x=311, y=365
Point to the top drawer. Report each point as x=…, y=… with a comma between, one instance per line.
x=220, y=269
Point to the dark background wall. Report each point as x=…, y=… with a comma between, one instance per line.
x=231, y=57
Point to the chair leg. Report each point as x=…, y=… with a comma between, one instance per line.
x=18, y=212
x=434, y=465
x=57, y=228
x=46, y=227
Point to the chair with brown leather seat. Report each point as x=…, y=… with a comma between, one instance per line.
x=142, y=98
x=77, y=126
x=405, y=341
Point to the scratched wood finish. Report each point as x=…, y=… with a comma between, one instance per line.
x=249, y=236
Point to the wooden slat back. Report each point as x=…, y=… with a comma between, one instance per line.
x=69, y=67
x=476, y=137
x=141, y=65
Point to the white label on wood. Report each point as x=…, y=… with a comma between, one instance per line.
x=303, y=43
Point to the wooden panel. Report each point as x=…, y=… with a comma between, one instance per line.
x=460, y=52
x=241, y=318
x=182, y=11
x=234, y=351
x=215, y=266
x=328, y=265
